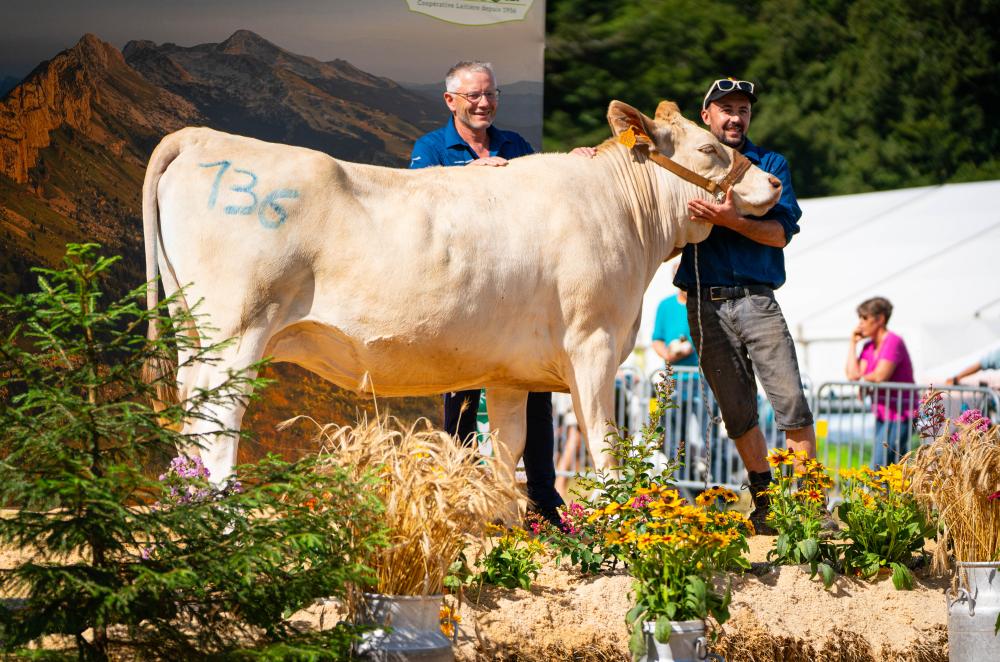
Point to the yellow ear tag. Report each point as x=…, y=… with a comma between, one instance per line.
x=627, y=138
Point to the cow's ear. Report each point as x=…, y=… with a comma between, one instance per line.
x=622, y=117
x=667, y=111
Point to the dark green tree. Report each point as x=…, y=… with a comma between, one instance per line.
x=859, y=95
x=109, y=557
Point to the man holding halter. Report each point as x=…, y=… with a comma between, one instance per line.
x=736, y=323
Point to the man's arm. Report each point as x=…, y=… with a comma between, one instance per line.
x=777, y=226
x=766, y=232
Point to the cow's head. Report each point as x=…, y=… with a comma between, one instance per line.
x=689, y=145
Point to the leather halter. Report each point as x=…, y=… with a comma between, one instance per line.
x=740, y=165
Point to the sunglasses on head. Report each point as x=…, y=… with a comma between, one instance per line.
x=728, y=85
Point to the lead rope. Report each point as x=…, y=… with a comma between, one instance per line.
x=709, y=419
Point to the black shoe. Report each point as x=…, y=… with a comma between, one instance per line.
x=761, y=509
x=758, y=518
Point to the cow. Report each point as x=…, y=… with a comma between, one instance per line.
x=396, y=282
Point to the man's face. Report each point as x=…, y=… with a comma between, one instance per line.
x=728, y=118
x=477, y=115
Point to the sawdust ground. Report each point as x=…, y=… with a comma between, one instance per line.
x=777, y=615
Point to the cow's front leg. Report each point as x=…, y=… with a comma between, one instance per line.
x=507, y=411
x=593, y=387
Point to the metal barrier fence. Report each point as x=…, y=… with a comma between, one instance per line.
x=853, y=421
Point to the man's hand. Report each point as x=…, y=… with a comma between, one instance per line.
x=589, y=152
x=724, y=214
x=494, y=161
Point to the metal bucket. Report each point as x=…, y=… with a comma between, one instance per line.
x=414, y=629
x=972, y=613
x=687, y=643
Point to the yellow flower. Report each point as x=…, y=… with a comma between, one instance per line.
x=814, y=495
x=849, y=474
x=729, y=496
x=779, y=457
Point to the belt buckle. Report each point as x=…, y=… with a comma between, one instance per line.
x=712, y=291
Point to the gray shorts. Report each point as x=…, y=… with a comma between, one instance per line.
x=742, y=336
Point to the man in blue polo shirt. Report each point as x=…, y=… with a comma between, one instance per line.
x=470, y=139
x=737, y=326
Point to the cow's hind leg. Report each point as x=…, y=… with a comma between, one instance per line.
x=507, y=410
x=593, y=387
x=215, y=411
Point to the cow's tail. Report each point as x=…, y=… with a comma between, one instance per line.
x=158, y=370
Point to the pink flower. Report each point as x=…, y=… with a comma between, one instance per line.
x=536, y=527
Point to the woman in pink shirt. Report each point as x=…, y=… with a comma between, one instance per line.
x=883, y=358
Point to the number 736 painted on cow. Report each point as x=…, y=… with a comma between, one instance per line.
x=247, y=189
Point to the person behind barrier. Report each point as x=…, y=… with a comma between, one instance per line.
x=883, y=358
x=672, y=343
x=989, y=361
x=470, y=139
x=737, y=323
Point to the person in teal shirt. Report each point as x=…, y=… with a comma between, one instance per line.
x=672, y=343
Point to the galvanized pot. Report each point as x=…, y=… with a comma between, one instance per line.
x=687, y=643
x=410, y=629
x=972, y=613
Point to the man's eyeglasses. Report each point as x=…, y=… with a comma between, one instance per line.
x=474, y=97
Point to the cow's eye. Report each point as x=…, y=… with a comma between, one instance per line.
x=708, y=149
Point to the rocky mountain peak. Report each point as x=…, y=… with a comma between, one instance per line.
x=90, y=50
x=245, y=42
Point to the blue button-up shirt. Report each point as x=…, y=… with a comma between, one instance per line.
x=728, y=258
x=444, y=147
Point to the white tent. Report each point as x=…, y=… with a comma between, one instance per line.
x=929, y=250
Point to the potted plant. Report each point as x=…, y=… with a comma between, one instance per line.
x=439, y=496
x=957, y=476
x=677, y=553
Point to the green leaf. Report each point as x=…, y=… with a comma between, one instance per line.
x=634, y=613
x=662, y=630
x=826, y=572
x=809, y=549
x=902, y=578
x=637, y=641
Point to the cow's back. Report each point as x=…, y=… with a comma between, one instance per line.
x=411, y=281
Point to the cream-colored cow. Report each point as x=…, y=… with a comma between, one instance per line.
x=415, y=282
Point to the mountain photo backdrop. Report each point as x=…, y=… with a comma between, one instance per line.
x=76, y=133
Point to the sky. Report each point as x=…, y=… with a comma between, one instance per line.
x=382, y=37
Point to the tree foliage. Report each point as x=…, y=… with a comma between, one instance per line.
x=108, y=558
x=859, y=95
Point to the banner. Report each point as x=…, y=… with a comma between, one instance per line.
x=87, y=90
